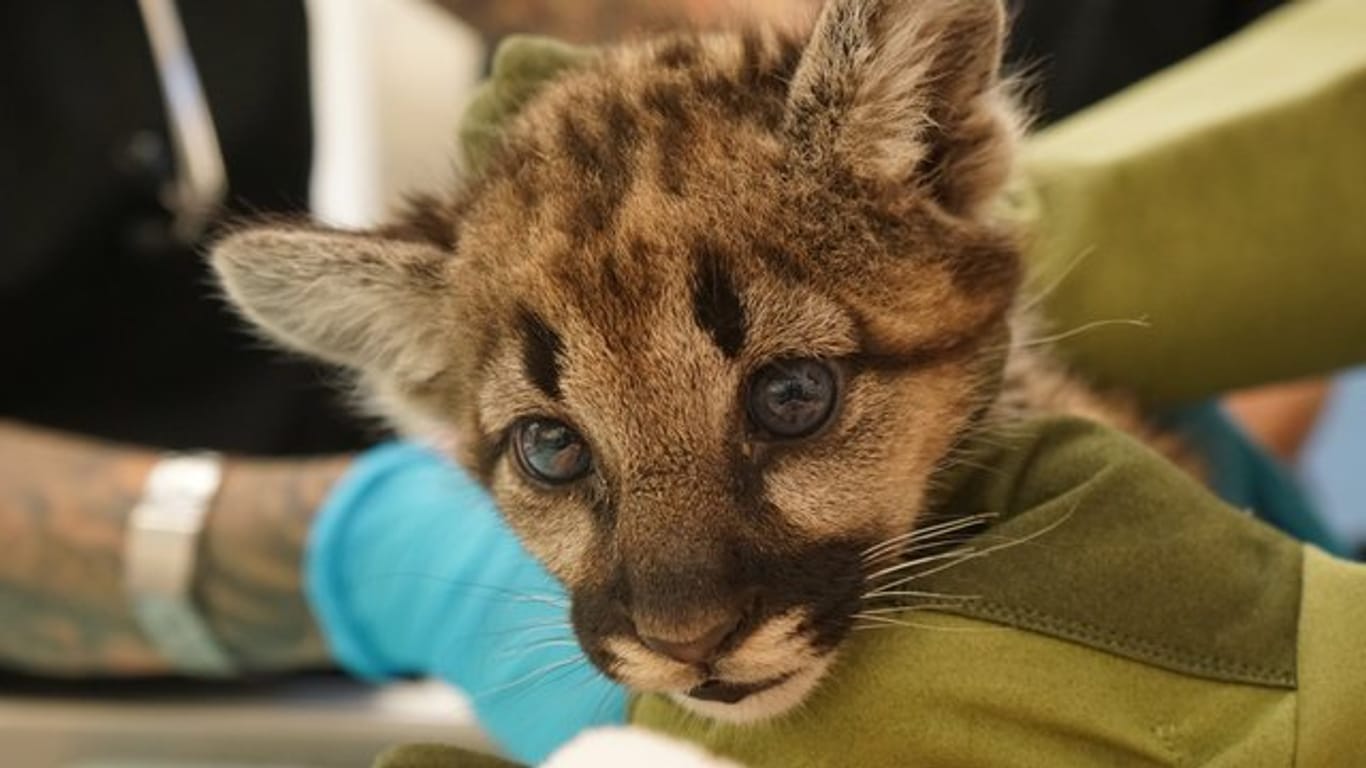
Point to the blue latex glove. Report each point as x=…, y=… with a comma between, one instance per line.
x=411, y=572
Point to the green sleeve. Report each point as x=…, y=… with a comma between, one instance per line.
x=1332, y=667
x=1223, y=202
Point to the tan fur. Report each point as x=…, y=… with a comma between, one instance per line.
x=658, y=226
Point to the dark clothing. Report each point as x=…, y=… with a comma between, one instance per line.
x=111, y=329
x=108, y=326
x=1077, y=52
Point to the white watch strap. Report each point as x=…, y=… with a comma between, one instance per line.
x=159, y=560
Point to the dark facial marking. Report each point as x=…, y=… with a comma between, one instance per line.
x=614, y=283
x=757, y=91
x=832, y=616
x=746, y=474
x=667, y=101
x=716, y=305
x=874, y=355
x=751, y=59
x=424, y=219
x=542, y=349
x=623, y=138
x=605, y=511
x=988, y=267
x=781, y=263
x=605, y=165
x=825, y=578
x=789, y=56
x=579, y=145
x=521, y=173
x=678, y=53
x=736, y=101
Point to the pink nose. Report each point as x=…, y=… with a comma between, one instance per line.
x=697, y=650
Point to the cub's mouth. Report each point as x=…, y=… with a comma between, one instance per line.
x=767, y=664
x=723, y=692
x=757, y=701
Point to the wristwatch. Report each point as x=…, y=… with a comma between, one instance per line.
x=161, y=548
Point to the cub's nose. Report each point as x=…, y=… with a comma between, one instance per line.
x=698, y=649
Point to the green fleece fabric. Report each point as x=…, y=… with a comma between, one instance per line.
x=1134, y=620
x=1332, y=663
x=521, y=65
x=1222, y=201
x=1124, y=554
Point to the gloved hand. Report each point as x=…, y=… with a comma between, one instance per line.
x=411, y=571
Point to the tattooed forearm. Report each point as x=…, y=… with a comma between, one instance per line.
x=250, y=575
x=64, y=505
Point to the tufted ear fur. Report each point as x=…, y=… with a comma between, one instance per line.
x=360, y=300
x=907, y=93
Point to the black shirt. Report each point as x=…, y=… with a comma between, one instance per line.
x=108, y=326
x=1078, y=52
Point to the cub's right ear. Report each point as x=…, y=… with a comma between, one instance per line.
x=360, y=300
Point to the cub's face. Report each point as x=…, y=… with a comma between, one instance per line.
x=706, y=327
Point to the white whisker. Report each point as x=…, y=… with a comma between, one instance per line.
x=913, y=562
x=534, y=674
x=881, y=622
x=1057, y=280
x=903, y=609
x=949, y=526
x=1139, y=322
x=973, y=553
x=921, y=593
x=554, y=642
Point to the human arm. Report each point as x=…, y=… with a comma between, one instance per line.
x=1281, y=416
x=64, y=506
x=405, y=560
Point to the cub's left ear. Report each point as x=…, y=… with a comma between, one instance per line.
x=908, y=92
x=360, y=300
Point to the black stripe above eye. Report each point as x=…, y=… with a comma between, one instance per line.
x=717, y=307
x=542, y=350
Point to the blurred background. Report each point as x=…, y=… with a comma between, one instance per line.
x=347, y=106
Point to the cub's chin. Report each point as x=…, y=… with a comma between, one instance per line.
x=754, y=703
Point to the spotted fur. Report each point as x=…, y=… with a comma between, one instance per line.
x=655, y=227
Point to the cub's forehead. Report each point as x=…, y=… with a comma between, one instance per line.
x=638, y=208
x=736, y=291
x=681, y=130
x=639, y=314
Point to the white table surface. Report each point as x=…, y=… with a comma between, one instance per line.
x=309, y=722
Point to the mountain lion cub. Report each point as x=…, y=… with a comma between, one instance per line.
x=708, y=326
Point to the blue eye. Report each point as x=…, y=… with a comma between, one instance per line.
x=550, y=452
x=790, y=399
